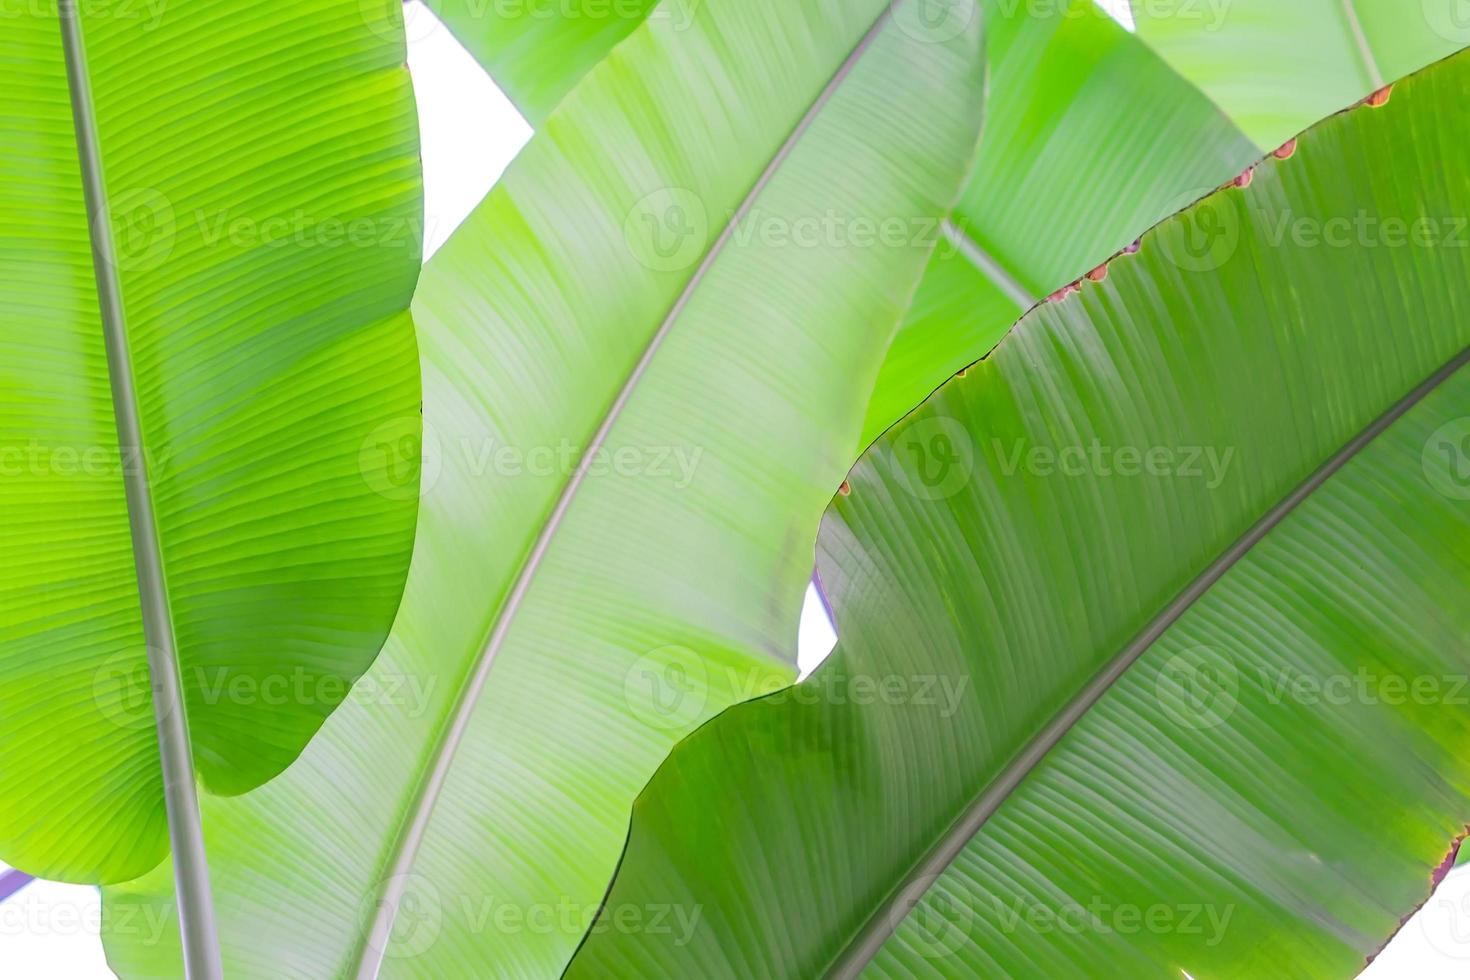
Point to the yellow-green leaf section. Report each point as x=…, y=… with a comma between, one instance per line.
x=260, y=199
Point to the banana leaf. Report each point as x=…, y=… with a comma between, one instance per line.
x=210, y=233
x=1277, y=67
x=537, y=50
x=1152, y=625
x=646, y=359
x=1089, y=139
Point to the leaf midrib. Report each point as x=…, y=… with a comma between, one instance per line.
x=415, y=824
x=876, y=931
x=181, y=804
x=990, y=268
x=1361, y=48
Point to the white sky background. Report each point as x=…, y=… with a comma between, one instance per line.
x=471, y=132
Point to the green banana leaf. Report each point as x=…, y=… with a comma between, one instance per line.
x=1089, y=140
x=202, y=396
x=1278, y=66
x=640, y=293
x=538, y=50
x=1092, y=138
x=1152, y=626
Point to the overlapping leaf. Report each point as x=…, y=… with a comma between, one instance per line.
x=259, y=173
x=1277, y=67
x=644, y=378
x=1089, y=139
x=1152, y=625
x=537, y=50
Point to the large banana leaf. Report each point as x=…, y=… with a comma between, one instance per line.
x=710, y=372
x=1152, y=656
x=196, y=390
x=1278, y=65
x=1089, y=139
